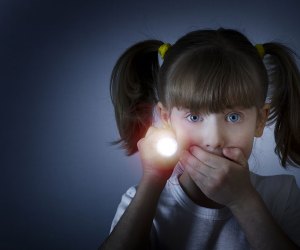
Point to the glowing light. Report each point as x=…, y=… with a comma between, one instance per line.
x=166, y=146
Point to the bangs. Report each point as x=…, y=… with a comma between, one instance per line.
x=211, y=81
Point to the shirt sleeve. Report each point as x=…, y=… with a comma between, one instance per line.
x=291, y=213
x=125, y=201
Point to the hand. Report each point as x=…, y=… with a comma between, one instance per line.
x=153, y=163
x=224, y=180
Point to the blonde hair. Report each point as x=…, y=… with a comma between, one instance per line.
x=207, y=70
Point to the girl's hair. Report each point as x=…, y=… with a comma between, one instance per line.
x=208, y=71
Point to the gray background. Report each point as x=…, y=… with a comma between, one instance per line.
x=60, y=180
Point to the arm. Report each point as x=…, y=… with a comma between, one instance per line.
x=133, y=229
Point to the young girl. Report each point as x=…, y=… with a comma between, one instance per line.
x=215, y=91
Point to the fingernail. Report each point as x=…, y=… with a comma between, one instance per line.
x=226, y=151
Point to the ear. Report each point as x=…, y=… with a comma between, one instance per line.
x=163, y=114
x=261, y=120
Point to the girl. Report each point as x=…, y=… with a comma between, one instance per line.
x=215, y=91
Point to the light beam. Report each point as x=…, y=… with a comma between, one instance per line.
x=166, y=146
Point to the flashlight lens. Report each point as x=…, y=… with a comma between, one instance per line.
x=167, y=146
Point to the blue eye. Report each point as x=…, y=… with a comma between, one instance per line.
x=193, y=118
x=233, y=117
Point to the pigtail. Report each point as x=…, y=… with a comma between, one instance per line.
x=285, y=102
x=133, y=92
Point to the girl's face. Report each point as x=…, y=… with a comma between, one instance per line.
x=232, y=128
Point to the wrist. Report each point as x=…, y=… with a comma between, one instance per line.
x=153, y=181
x=157, y=175
x=247, y=203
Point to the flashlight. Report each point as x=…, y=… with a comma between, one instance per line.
x=166, y=146
x=159, y=148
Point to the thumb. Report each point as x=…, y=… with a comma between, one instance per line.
x=236, y=155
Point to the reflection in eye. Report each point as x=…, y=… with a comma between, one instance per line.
x=193, y=118
x=233, y=117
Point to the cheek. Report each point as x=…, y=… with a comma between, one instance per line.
x=182, y=131
x=185, y=138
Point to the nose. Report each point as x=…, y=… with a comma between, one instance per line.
x=213, y=136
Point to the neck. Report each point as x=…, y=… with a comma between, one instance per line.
x=195, y=193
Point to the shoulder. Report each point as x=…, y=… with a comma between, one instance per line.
x=282, y=183
x=282, y=197
x=278, y=192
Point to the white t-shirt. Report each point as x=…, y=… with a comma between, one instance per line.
x=181, y=224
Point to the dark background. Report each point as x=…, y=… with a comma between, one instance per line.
x=61, y=182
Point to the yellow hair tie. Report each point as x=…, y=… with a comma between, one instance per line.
x=162, y=50
x=261, y=50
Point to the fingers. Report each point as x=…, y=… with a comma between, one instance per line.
x=215, y=161
x=200, y=163
x=150, y=131
x=236, y=155
x=194, y=166
x=205, y=157
x=198, y=176
x=223, y=179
